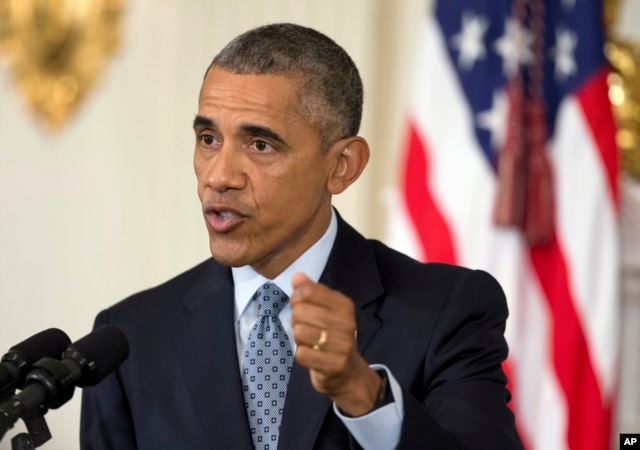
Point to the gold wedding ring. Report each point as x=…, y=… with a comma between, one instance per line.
x=322, y=340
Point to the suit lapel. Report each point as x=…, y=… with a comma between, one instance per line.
x=351, y=269
x=304, y=411
x=205, y=346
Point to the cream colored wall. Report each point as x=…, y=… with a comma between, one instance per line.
x=108, y=206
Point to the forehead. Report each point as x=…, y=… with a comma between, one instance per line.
x=273, y=95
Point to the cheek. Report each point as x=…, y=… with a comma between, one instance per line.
x=199, y=170
x=197, y=165
x=308, y=184
x=200, y=186
x=290, y=200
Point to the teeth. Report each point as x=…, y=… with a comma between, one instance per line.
x=225, y=215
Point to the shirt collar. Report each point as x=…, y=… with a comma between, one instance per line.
x=312, y=263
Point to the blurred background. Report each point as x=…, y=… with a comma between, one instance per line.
x=97, y=191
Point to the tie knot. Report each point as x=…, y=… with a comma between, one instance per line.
x=271, y=299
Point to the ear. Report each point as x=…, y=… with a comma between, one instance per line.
x=350, y=156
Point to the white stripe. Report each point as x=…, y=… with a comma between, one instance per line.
x=542, y=409
x=402, y=234
x=551, y=414
x=587, y=231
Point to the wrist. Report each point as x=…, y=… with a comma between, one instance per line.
x=384, y=394
x=367, y=395
x=361, y=395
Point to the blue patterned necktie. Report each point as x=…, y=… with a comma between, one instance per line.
x=268, y=358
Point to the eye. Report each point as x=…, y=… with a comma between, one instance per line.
x=207, y=139
x=261, y=146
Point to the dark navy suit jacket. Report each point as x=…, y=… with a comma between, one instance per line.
x=439, y=328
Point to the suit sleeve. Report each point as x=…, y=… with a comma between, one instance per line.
x=463, y=400
x=105, y=421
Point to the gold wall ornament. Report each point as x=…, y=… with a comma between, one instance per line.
x=56, y=50
x=624, y=91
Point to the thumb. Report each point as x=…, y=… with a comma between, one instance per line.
x=300, y=279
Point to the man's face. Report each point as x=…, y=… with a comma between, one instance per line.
x=262, y=174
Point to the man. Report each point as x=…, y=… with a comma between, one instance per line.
x=389, y=352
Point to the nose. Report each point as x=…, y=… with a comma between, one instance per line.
x=222, y=170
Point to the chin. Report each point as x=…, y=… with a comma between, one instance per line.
x=228, y=257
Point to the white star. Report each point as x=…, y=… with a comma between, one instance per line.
x=569, y=4
x=565, y=62
x=494, y=120
x=513, y=46
x=470, y=40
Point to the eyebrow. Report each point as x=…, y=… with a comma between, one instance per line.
x=262, y=131
x=202, y=121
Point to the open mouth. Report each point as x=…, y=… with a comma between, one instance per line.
x=223, y=219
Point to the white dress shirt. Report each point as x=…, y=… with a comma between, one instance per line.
x=377, y=430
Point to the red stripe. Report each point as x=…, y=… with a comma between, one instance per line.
x=429, y=223
x=596, y=107
x=589, y=418
x=513, y=404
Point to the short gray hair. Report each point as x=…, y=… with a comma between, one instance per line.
x=331, y=93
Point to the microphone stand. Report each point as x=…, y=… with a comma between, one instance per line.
x=37, y=432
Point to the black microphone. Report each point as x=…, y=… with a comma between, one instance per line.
x=52, y=382
x=17, y=362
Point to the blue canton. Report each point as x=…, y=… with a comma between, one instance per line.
x=481, y=39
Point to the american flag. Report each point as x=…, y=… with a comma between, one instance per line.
x=510, y=166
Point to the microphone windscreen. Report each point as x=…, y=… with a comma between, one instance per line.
x=47, y=343
x=99, y=353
